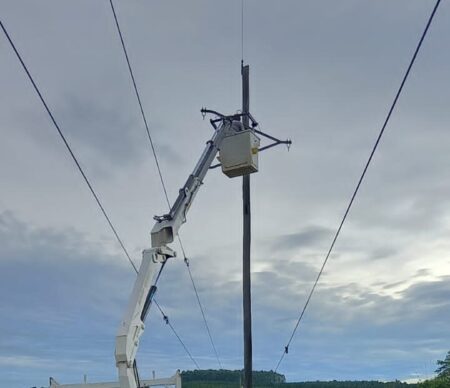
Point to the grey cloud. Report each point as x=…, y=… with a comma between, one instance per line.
x=116, y=132
x=348, y=317
x=304, y=239
x=104, y=135
x=68, y=301
x=365, y=322
x=431, y=294
x=321, y=73
x=382, y=252
x=422, y=272
x=110, y=131
x=393, y=285
x=56, y=265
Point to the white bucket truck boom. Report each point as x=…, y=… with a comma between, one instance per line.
x=238, y=148
x=165, y=231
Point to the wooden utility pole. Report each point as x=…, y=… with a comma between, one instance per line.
x=246, y=279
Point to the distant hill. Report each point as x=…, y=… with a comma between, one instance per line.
x=268, y=379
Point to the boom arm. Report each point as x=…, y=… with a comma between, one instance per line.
x=163, y=233
x=167, y=226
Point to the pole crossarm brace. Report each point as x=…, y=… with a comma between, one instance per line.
x=254, y=125
x=276, y=141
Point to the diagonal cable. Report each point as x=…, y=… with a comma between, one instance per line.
x=67, y=145
x=166, y=319
x=186, y=261
x=80, y=169
x=155, y=156
x=138, y=96
x=386, y=121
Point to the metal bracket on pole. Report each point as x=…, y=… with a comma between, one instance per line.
x=276, y=141
x=245, y=117
x=236, y=116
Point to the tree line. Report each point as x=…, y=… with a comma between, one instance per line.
x=223, y=378
x=269, y=379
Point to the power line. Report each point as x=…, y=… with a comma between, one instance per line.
x=242, y=31
x=83, y=174
x=394, y=103
x=186, y=261
x=80, y=169
x=166, y=319
x=140, y=103
x=161, y=175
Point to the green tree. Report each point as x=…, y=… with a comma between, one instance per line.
x=435, y=383
x=443, y=369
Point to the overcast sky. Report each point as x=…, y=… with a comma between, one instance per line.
x=322, y=73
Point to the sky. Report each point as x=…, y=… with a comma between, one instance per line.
x=322, y=73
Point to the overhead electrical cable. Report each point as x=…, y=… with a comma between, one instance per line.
x=242, y=31
x=186, y=261
x=140, y=103
x=386, y=121
x=80, y=169
x=155, y=156
x=166, y=319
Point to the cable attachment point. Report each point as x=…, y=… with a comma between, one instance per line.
x=274, y=140
x=165, y=217
x=166, y=319
x=286, y=349
x=186, y=261
x=288, y=144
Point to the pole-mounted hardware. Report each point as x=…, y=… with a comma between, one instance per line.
x=254, y=125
